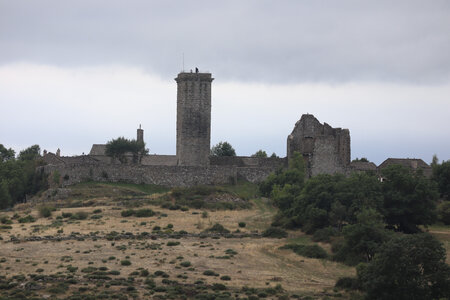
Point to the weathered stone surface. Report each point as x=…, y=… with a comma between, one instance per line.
x=326, y=150
x=193, y=118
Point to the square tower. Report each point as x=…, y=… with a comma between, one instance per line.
x=193, y=118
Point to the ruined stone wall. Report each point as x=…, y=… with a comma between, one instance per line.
x=245, y=161
x=159, y=160
x=325, y=149
x=193, y=118
x=325, y=158
x=160, y=175
x=75, y=170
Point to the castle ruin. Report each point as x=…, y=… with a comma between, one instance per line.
x=325, y=149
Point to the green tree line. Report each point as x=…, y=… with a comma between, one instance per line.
x=366, y=220
x=18, y=175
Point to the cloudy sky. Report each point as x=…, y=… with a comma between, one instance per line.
x=74, y=73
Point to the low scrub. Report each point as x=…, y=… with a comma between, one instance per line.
x=217, y=228
x=311, y=251
x=139, y=213
x=274, y=232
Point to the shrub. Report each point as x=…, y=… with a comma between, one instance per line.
x=311, y=251
x=5, y=220
x=444, y=212
x=173, y=243
x=143, y=213
x=324, y=235
x=185, y=264
x=97, y=211
x=66, y=214
x=242, y=224
x=144, y=273
x=274, y=232
x=225, y=277
x=218, y=287
x=210, y=273
x=125, y=262
x=45, y=211
x=27, y=219
x=127, y=213
x=80, y=215
x=348, y=283
x=217, y=228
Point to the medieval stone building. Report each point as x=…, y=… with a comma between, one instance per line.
x=325, y=149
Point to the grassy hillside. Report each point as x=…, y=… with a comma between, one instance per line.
x=125, y=241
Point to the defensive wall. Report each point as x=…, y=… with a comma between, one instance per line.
x=77, y=169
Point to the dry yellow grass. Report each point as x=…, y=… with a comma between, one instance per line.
x=258, y=263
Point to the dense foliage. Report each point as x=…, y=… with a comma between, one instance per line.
x=441, y=174
x=409, y=199
x=260, y=153
x=404, y=200
x=117, y=148
x=223, y=149
x=18, y=176
x=407, y=267
x=369, y=222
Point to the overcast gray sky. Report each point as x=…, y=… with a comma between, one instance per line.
x=74, y=73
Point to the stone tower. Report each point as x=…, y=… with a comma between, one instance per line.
x=140, y=135
x=193, y=118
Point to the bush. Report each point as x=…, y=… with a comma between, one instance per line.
x=125, y=262
x=274, y=232
x=348, y=283
x=81, y=215
x=45, y=211
x=27, y=219
x=172, y=243
x=311, y=251
x=210, y=273
x=185, y=264
x=324, y=235
x=143, y=213
x=218, y=228
x=66, y=214
x=127, y=213
x=242, y=224
x=444, y=212
x=225, y=277
x=218, y=287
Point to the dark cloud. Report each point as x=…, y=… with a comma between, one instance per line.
x=282, y=41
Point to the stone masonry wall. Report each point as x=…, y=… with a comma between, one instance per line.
x=326, y=149
x=245, y=161
x=160, y=175
x=193, y=118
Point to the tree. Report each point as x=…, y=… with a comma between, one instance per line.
x=441, y=175
x=362, y=159
x=362, y=240
x=6, y=154
x=260, y=153
x=117, y=148
x=18, y=177
x=5, y=197
x=30, y=153
x=409, y=199
x=223, y=149
x=407, y=267
x=293, y=176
